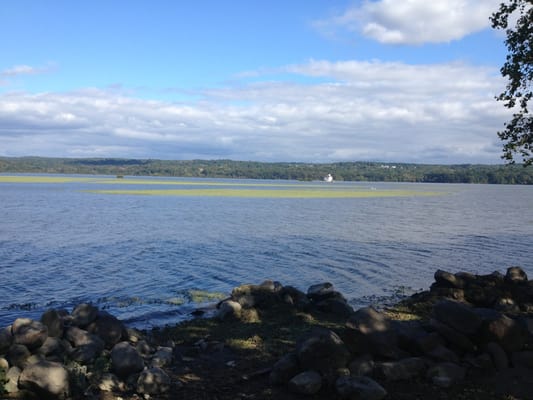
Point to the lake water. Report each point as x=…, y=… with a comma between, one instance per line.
x=143, y=257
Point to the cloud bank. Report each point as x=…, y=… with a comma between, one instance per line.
x=357, y=111
x=414, y=22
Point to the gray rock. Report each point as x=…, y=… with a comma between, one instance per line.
x=144, y=348
x=80, y=337
x=229, y=309
x=442, y=353
x=370, y=331
x=162, y=357
x=446, y=374
x=335, y=305
x=6, y=339
x=359, y=388
x=458, y=316
x=362, y=366
x=153, y=381
x=324, y=351
x=46, y=378
x=447, y=279
x=111, y=383
x=407, y=368
x=523, y=359
x=284, y=369
x=109, y=328
x=54, y=322
x=515, y=275
x=307, y=383
x=29, y=333
x=505, y=331
x=320, y=291
x=12, y=378
x=83, y=314
x=498, y=356
x=125, y=360
x=52, y=346
x=18, y=355
x=506, y=304
x=295, y=297
x=4, y=365
x=454, y=337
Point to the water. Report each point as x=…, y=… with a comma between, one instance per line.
x=140, y=257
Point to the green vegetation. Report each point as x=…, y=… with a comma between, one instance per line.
x=342, y=171
x=516, y=18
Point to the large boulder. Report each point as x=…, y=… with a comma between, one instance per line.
x=125, y=360
x=6, y=339
x=86, y=345
x=49, y=379
x=515, y=275
x=359, y=388
x=54, y=322
x=508, y=333
x=29, y=333
x=447, y=279
x=306, y=383
x=320, y=291
x=284, y=369
x=109, y=328
x=324, y=351
x=446, y=374
x=369, y=331
x=153, y=381
x=83, y=314
x=229, y=309
x=458, y=316
x=18, y=355
x=404, y=369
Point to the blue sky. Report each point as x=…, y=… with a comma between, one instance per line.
x=315, y=81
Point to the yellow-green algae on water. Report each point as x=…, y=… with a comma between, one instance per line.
x=268, y=193
x=43, y=179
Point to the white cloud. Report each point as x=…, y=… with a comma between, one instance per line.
x=24, y=70
x=414, y=21
x=358, y=111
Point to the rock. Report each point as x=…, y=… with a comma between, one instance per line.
x=29, y=333
x=6, y=339
x=362, y=366
x=125, y=360
x=295, y=297
x=46, y=378
x=407, y=368
x=4, y=365
x=12, y=378
x=86, y=345
x=111, y=383
x=52, y=346
x=324, y=351
x=498, y=356
x=144, y=348
x=505, y=331
x=523, y=359
x=455, y=338
x=441, y=353
x=449, y=292
x=515, y=275
x=446, y=374
x=506, y=304
x=359, y=388
x=229, y=309
x=457, y=316
x=320, y=291
x=446, y=279
x=18, y=355
x=307, y=383
x=153, y=381
x=83, y=314
x=426, y=343
x=482, y=361
x=261, y=296
x=54, y=322
x=335, y=305
x=109, y=328
x=284, y=369
x=371, y=332
x=162, y=357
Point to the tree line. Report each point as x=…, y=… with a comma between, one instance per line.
x=341, y=171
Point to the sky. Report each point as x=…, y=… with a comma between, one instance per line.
x=299, y=80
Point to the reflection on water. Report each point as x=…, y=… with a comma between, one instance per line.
x=139, y=256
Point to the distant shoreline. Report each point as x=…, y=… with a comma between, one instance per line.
x=341, y=171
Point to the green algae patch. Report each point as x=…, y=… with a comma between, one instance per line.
x=43, y=179
x=269, y=193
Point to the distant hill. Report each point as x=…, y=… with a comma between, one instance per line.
x=341, y=171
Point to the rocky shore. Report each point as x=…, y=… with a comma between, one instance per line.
x=469, y=336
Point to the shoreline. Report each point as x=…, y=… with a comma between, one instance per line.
x=274, y=341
